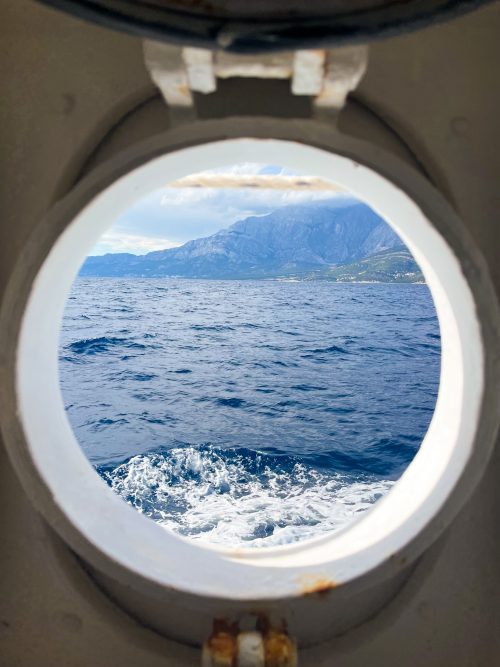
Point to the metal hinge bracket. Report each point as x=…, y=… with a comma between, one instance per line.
x=327, y=76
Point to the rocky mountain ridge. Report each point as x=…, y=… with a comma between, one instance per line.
x=291, y=240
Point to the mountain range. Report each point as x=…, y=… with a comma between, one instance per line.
x=296, y=241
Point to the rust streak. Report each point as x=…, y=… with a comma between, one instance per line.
x=319, y=586
x=279, y=650
x=183, y=88
x=222, y=646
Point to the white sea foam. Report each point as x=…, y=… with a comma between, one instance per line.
x=231, y=498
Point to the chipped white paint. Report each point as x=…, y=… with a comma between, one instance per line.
x=166, y=68
x=200, y=69
x=251, y=650
x=345, y=68
x=308, y=72
x=327, y=76
x=262, y=66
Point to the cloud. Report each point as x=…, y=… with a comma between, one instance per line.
x=116, y=241
x=250, y=168
x=256, y=182
x=171, y=216
x=245, y=199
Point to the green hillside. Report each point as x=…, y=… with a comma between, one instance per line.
x=390, y=266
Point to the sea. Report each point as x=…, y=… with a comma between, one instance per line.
x=249, y=413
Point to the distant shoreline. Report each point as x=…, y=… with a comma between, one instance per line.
x=260, y=280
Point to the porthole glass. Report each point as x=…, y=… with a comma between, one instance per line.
x=250, y=356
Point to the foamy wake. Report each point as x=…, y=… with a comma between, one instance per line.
x=240, y=497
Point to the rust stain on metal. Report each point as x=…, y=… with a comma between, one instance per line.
x=316, y=586
x=400, y=560
x=279, y=650
x=276, y=649
x=221, y=648
x=183, y=88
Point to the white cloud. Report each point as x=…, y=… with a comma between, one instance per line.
x=171, y=216
x=116, y=241
x=244, y=198
x=249, y=169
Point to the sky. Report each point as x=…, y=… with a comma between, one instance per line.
x=173, y=215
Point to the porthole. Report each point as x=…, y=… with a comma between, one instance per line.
x=357, y=568
x=250, y=356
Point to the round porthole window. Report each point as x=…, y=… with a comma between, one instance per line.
x=356, y=567
x=250, y=356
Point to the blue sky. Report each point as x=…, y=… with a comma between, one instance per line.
x=171, y=216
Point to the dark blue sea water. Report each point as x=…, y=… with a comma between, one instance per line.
x=249, y=412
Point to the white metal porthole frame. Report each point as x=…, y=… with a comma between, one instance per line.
x=123, y=544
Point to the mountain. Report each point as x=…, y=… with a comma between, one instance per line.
x=298, y=239
x=388, y=266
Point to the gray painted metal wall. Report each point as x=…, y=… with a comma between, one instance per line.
x=64, y=86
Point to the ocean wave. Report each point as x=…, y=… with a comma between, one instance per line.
x=241, y=497
x=336, y=403
x=100, y=345
x=231, y=402
x=211, y=327
x=337, y=349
